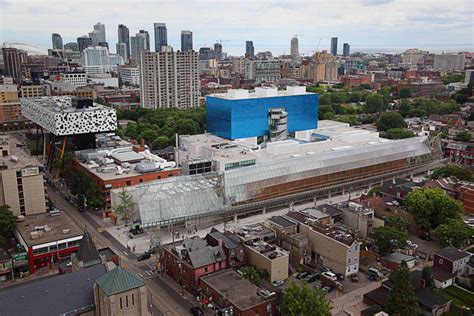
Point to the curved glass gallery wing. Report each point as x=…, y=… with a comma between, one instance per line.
x=177, y=197
x=296, y=174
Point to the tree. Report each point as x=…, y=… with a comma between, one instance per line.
x=323, y=109
x=388, y=238
x=427, y=275
x=390, y=120
x=329, y=116
x=398, y=222
x=404, y=108
x=94, y=195
x=7, y=219
x=304, y=300
x=402, y=299
x=397, y=133
x=125, y=208
x=351, y=119
x=325, y=99
x=454, y=232
x=432, y=207
x=374, y=103
x=252, y=274
x=452, y=170
x=161, y=142
x=452, y=78
x=463, y=136
x=405, y=93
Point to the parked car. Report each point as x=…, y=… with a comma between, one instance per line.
x=196, y=311
x=311, y=278
x=302, y=275
x=329, y=275
x=278, y=282
x=340, y=276
x=144, y=256
x=327, y=289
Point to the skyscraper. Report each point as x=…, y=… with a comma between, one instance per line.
x=139, y=43
x=83, y=42
x=295, y=54
x=121, y=49
x=161, y=36
x=72, y=46
x=334, y=46
x=146, y=35
x=218, y=51
x=346, y=49
x=124, y=37
x=249, y=50
x=100, y=28
x=57, y=41
x=186, y=41
x=169, y=79
x=12, y=59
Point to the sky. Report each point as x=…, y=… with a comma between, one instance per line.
x=367, y=25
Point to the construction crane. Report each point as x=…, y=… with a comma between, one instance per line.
x=317, y=46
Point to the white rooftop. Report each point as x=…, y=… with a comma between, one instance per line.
x=261, y=92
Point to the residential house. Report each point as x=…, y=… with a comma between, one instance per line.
x=393, y=260
x=451, y=259
x=357, y=216
x=233, y=248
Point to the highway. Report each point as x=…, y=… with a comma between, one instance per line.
x=164, y=299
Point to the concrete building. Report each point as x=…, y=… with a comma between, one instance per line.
x=48, y=239
x=57, y=41
x=413, y=56
x=76, y=78
x=83, y=42
x=249, y=50
x=98, y=34
x=121, y=49
x=21, y=180
x=139, y=43
x=218, y=51
x=161, y=36
x=334, y=46
x=295, y=53
x=120, y=292
x=97, y=60
x=12, y=59
x=31, y=91
x=186, y=41
x=262, y=70
x=346, y=50
x=234, y=295
x=324, y=67
x=169, y=79
x=358, y=217
x=124, y=37
x=9, y=103
x=449, y=62
x=130, y=74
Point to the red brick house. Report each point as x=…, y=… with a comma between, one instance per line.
x=451, y=259
x=187, y=261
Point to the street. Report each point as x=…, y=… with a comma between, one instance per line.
x=164, y=299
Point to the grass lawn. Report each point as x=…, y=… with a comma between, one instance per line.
x=459, y=297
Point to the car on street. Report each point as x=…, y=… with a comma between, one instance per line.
x=144, y=256
x=302, y=275
x=311, y=277
x=278, y=282
x=196, y=311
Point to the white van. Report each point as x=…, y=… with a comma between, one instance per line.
x=329, y=275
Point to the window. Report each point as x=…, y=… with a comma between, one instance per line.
x=269, y=307
x=205, y=269
x=121, y=307
x=126, y=301
x=440, y=261
x=133, y=299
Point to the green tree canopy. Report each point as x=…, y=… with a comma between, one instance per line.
x=427, y=275
x=301, y=300
x=463, y=136
x=405, y=93
x=454, y=232
x=432, y=207
x=402, y=299
x=125, y=207
x=452, y=170
x=398, y=222
x=7, y=219
x=390, y=120
x=397, y=133
x=323, y=109
x=374, y=103
x=452, y=78
x=252, y=274
x=388, y=238
x=329, y=116
x=82, y=184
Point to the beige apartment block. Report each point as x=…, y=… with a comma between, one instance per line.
x=269, y=258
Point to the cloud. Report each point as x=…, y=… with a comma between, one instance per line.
x=269, y=23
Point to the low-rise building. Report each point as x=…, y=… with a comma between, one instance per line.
x=393, y=260
x=465, y=193
x=130, y=75
x=9, y=103
x=21, y=179
x=6, y=265
x=189, y=260
x=451, y=259
x=230, y=291
x=358, y=217
x=233, y=248
x=32, y=91
x=48, y=238
x=282, y=226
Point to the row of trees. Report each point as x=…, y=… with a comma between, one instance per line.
x=158, y=127
x=7, y=222
x=423, y=107
x=85, y=187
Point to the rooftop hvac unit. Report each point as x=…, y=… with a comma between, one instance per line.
x=66, y=231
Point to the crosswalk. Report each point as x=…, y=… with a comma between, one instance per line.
x=148, y=274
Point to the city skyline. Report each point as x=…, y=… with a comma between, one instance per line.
x=399, y=25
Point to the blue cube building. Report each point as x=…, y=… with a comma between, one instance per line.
x=240, y=114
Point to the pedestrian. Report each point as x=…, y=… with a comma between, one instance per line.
x=133, y=247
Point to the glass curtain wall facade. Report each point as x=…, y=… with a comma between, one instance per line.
x=243, y=118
